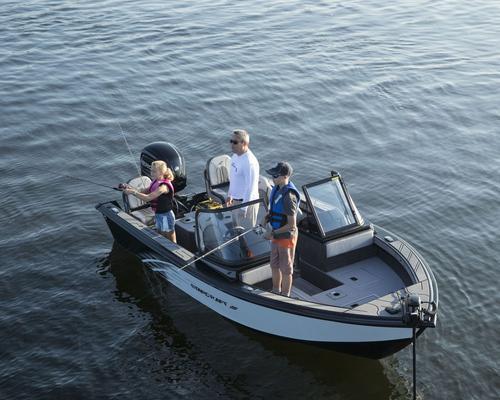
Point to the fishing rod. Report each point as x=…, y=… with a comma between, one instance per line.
x=120, y=187
x=258, y=229
x=129, y=150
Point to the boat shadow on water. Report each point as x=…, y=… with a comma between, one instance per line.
x=244, y=361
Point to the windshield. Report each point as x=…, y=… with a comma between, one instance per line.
x=330, y=205
x=214, y=227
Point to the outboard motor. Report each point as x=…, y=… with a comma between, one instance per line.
x=166, y=152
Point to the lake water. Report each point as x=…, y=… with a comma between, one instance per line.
x=402, y=97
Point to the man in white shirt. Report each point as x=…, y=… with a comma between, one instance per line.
x=243, y=176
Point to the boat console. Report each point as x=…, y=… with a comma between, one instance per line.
x=214, y=227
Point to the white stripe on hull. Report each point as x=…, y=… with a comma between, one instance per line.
x=274, y=321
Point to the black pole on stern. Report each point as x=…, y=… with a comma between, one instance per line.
x=412, y=316
x=414, y=362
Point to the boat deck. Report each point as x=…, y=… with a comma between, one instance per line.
x=361, y=282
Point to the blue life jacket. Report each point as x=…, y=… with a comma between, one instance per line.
x=276, y=217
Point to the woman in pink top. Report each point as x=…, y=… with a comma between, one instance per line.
x=160, y=194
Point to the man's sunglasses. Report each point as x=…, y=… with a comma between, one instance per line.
x=233, y=141
x=276, y=176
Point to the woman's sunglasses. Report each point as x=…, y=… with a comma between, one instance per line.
x=233, y=141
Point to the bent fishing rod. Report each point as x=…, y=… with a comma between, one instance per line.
x=120, y=187
x=258, y=229
x=129, y=149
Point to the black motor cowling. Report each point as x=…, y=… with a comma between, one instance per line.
x=166, y=152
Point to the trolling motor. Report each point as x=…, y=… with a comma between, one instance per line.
x=413, y=316
x=412, y=309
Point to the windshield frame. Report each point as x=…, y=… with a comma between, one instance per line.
x=352, y=208
x=246, y=262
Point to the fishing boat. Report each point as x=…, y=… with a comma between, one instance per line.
x=357, y=288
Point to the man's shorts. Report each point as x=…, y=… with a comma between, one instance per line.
x=282, y=258
x=165, y=222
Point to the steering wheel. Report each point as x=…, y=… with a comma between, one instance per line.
x=233, y=232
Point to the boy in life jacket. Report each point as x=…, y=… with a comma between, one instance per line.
x=283, y=207
x=160, y=195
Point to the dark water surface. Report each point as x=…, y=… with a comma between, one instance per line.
x=403, y=98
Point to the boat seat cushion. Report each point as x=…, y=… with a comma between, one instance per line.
x=217, y=177
x=256, y=274
x=218, y=169
x=348, y=243
x=146, y=215
x=219, y=193
x=265, y=188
